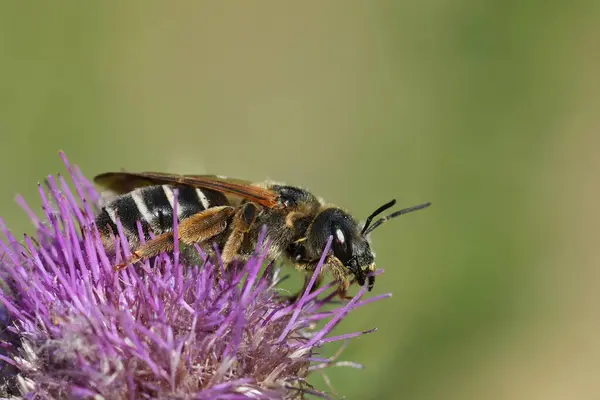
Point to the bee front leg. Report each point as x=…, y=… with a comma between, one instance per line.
x=242, y=222
x=341, y=275
x=195, y=229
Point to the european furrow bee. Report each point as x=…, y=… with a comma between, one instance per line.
x=231, y=213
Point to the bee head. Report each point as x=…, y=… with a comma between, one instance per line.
x=349, y=245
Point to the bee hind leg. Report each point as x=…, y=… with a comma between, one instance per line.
x=242, y=222
x=195, y=229
x=161, y=243
x=205, y=225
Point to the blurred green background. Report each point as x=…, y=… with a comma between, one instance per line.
x=488, y=109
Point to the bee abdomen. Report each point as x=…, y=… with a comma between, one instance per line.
x=153, y=207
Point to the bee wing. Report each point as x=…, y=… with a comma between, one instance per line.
x=124, y=182
x=119, y=183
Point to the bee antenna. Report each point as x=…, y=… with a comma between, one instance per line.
x=394, y=215
x=376, y=213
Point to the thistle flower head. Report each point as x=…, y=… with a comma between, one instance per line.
x=72, y=327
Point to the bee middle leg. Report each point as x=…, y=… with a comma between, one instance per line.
x=195, y=229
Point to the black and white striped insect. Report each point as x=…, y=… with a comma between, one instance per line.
x=231, y=213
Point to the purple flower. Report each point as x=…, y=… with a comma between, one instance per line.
x=72, y=327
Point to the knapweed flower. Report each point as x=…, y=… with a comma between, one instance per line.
x=73, y=327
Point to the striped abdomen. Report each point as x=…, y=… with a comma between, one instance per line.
x=153, y=207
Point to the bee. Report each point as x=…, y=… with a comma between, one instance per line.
x=231, y=213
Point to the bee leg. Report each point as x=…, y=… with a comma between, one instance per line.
x=161, y=243
x=195, y=229
x=242, y=222
x=206, y=224
x=343, y=289
x=341, y=274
